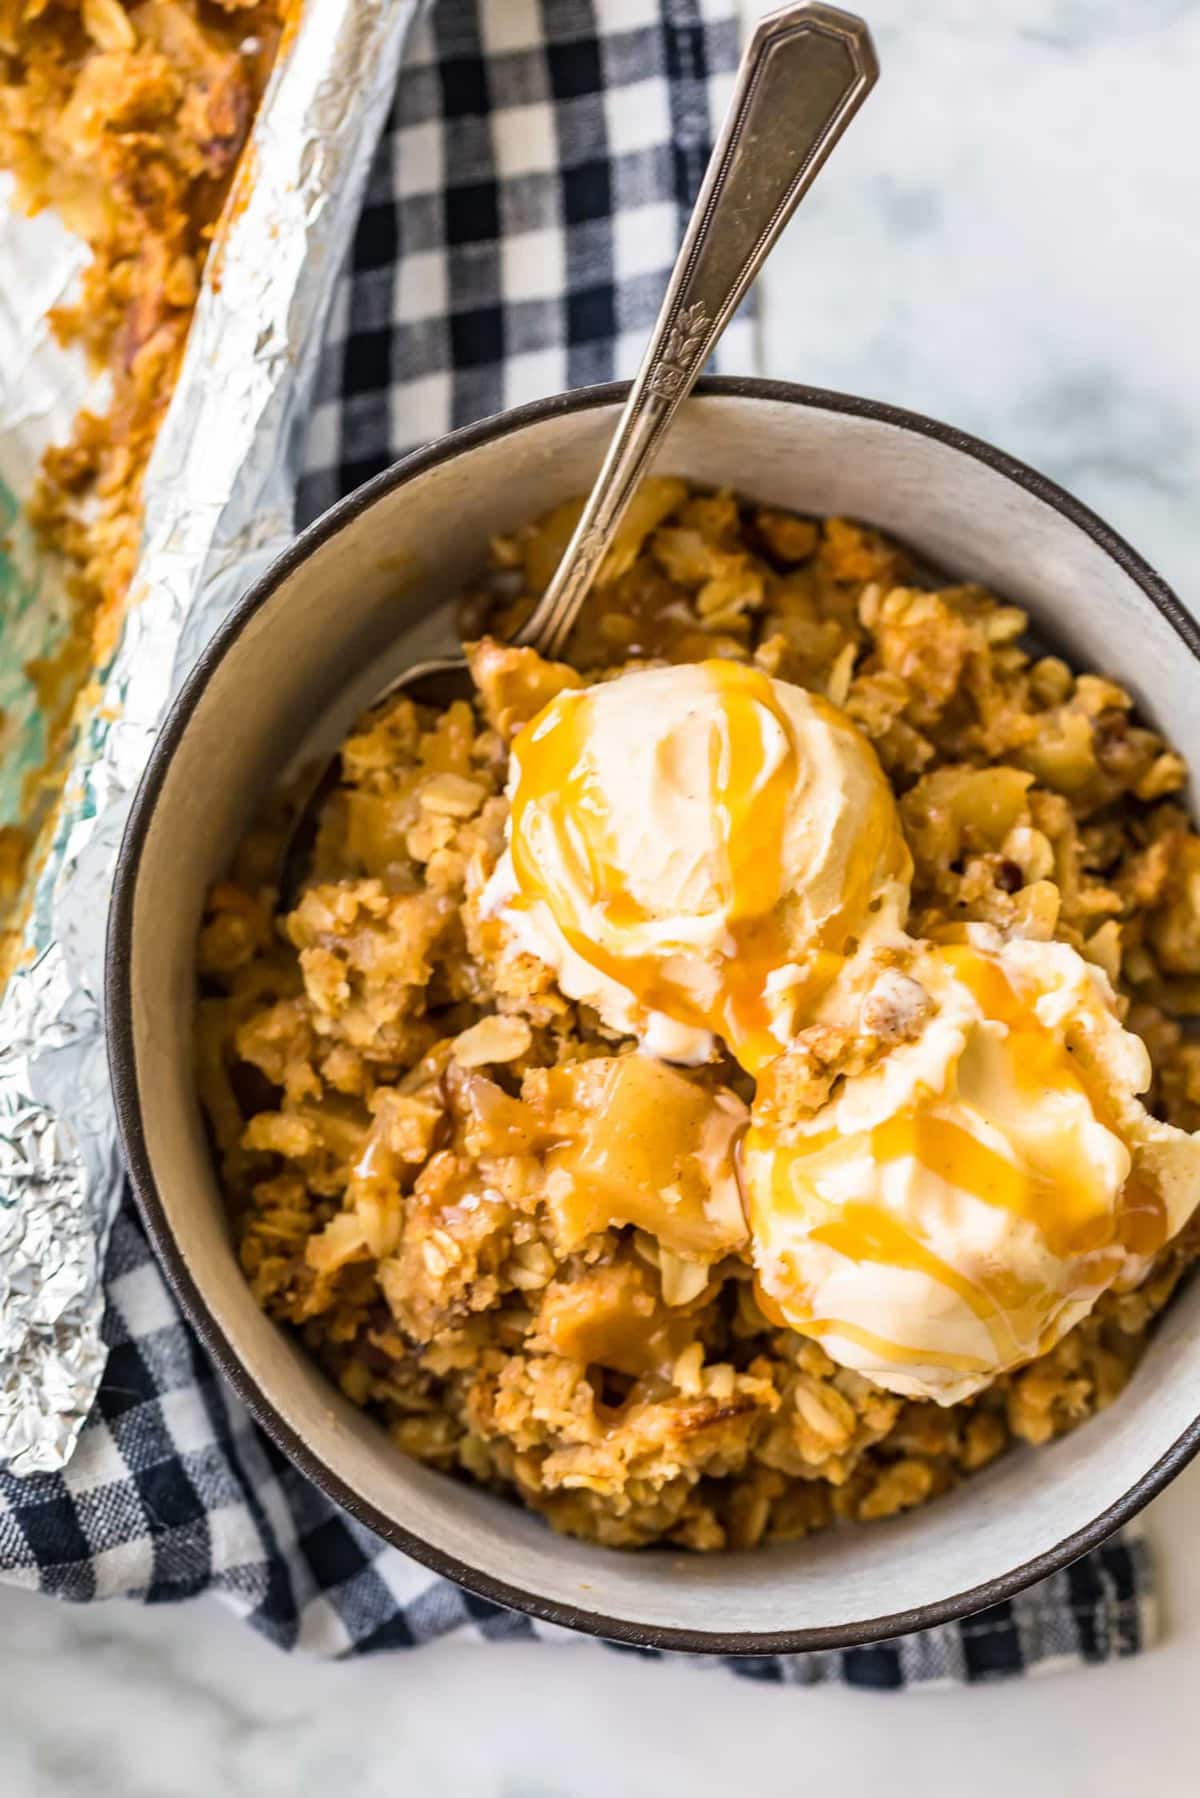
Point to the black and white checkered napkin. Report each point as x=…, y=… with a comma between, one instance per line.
x=521, y=216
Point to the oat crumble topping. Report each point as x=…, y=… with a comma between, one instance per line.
x=417, y=1130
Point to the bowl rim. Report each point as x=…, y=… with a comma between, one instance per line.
x=120, y=1036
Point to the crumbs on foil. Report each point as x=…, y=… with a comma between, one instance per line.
x=218, y=501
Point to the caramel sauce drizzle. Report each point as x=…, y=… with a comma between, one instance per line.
x=565, y=853
x=1051, y=1186
x=560, y=817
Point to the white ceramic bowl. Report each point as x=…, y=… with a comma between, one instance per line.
x=355, y=598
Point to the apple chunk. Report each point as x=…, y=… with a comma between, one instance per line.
x=639, y=1143
x=612, y=1316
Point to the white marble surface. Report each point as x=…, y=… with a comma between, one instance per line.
x=119, y=1703
x=1007, y=240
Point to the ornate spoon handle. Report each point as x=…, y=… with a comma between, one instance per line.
x=805, y=72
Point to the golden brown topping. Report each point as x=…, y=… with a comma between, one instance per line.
x=515, y=1246
x=789, y=539
x=799, y=1082
x=514, y=684
x=127, y=120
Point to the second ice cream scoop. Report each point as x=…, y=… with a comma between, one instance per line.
x=966, y=1192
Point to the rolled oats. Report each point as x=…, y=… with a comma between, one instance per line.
x=389, y=1092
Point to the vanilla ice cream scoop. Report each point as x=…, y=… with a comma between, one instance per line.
x=954, y=1208
x=695, y=851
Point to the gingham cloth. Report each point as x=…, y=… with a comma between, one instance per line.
x=533, y=179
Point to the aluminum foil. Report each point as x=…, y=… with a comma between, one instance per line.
x=219, y=503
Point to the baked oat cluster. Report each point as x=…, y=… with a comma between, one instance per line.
x=489, y=1219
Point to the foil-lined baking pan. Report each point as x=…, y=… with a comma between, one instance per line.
x=218, y=506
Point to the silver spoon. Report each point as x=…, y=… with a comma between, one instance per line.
x=805, y=72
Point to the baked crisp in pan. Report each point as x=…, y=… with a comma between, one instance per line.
x=128, y=120
x=482, y=1211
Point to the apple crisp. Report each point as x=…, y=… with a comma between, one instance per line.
x=503, y=1231
x=127, y=120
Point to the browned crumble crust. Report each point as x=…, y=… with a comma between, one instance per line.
x=385, y=1086
x=127, y=118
